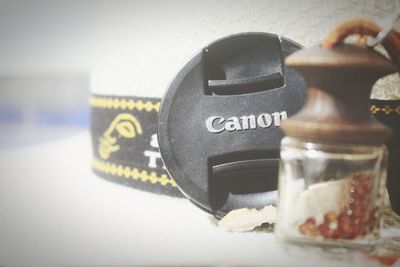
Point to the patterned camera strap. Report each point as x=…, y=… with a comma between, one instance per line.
x=388, y=112
x=125, y=147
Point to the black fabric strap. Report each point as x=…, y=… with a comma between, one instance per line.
x=125, y=147
x=388, y=112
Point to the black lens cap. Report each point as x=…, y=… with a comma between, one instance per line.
x=219, y=123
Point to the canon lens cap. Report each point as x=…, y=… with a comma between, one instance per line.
x=219, y=123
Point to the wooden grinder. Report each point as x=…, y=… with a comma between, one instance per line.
x=339, y=79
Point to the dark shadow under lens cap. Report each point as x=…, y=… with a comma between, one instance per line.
x=219, y=124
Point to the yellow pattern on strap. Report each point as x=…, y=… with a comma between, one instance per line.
x=125, y=125
x=130, y=104
x=386, y=109
x=131, y=173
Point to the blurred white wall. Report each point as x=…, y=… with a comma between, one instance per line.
x=47, y=36
x=53, y=52
x=58, y=36
x=46, y=48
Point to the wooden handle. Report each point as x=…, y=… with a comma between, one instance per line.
x=364, y=28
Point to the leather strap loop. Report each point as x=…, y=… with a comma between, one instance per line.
x=364, y=28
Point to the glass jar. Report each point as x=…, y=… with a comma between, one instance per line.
x=330, y=195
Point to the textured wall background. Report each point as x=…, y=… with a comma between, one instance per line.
x=144, y=44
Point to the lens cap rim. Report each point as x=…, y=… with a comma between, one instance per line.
x=197, y=196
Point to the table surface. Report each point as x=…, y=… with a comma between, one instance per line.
x=55, y=211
